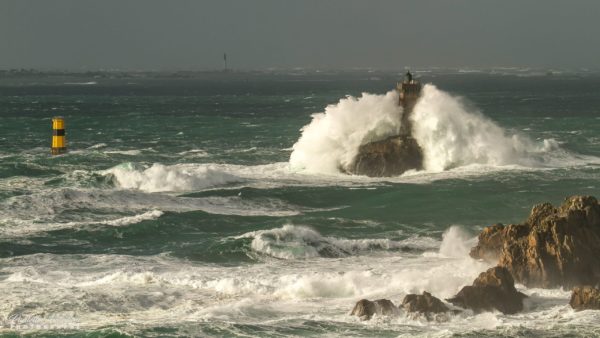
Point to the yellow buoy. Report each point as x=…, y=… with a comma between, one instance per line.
x=59, y=143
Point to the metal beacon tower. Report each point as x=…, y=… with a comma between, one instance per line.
x=59, y=143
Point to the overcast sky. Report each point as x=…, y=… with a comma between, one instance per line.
x=258, y=34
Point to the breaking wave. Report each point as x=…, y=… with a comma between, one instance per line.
x=332, y=138
x=109, y=289
x=159, y=177
x=450, y=134
x=298, y=242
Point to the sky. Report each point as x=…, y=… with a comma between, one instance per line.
x=327, y=34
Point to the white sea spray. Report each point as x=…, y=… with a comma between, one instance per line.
x=451, y=134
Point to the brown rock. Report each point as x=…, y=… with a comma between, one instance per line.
x=585, y=298
x=496, y=277
x=491, y=241
x=390, y=157
x=425, y=303
x=396, y=154
x=491, y=290
x=365, y=309
x=554, y=247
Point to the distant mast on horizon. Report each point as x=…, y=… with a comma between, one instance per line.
x=225, y=61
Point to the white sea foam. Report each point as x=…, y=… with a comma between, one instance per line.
x=450, y=134
x=194, y=153
x=90, y=83
x=158, y=177
x=456, y=242
x=98, y=146
x=153, y=214
x=200, y=176
x=24, y=215
x=294, y=242
x=131, y=152
x=332, y=138
x=161, y=290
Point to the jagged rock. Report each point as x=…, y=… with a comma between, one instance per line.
x=585, y=298
x=390, y=157
x=554, y=247
x=491, y=241
x=425, y=303
x=365, y=309
x=493, y=289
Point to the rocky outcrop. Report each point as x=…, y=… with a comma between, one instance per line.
x=397, y=154
x=585, y=298
x=365, y=309
x=554, y=247
x=493, y=289
x=390, y=157
x=425, y=303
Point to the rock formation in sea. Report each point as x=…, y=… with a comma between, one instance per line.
x=365, y=309
x=424, y=304
x=493, y=289
x=389, y=157
x=554, y=247
x=397, y=154
x=585, y=298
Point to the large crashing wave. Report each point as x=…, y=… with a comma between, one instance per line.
x=332, y=138
x=450, y=134
x=453, y=136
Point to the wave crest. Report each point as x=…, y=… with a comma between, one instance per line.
x=159, y=177
x=299, y=242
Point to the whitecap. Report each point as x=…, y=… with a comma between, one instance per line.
x=153, y=214
x=131, y=152
x=158, y=177
x=301, y=242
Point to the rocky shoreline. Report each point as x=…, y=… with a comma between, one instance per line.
x=555, y=247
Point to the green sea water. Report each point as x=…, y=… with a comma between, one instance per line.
x=176, y=211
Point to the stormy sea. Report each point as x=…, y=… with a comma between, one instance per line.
x=212, y=204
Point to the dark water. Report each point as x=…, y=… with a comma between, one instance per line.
x=177, y=213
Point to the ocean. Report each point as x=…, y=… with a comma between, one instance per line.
x=211, y=204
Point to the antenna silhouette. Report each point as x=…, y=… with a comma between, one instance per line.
x=225, y=60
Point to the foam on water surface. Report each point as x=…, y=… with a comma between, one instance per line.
x=24, y=215
x=159, y=177
x=161, y=290
x=228, y=220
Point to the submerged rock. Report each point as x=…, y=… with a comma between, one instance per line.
x=585, y=298
x=365, y=309
x=554, y=247
x=425, y=303
x=390, y=157
x=493, y=289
